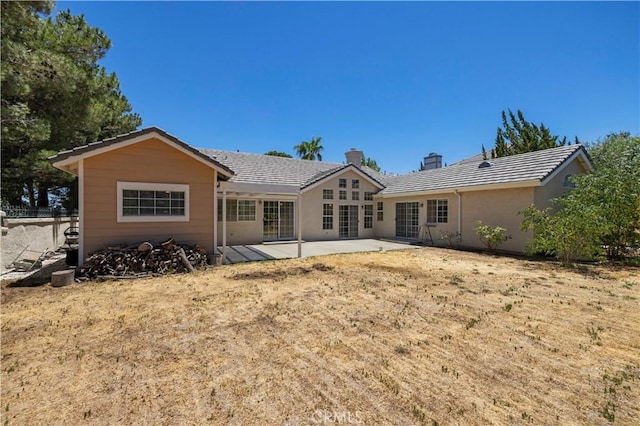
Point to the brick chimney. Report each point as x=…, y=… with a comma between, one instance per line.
x=354, y=157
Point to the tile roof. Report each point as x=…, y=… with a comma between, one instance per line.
x=269, y=169
x=531, y=166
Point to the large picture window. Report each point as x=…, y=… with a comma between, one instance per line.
x=437, y=211
x=152, y=202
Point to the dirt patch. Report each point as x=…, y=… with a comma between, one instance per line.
x=407, y=337
x=280, y=273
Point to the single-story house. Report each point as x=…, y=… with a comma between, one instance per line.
x=149, y=185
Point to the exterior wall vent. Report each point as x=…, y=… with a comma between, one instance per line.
x=485, y=164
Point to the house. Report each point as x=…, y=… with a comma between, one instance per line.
x=149, y=185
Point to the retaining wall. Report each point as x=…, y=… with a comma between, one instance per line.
x=36, y=235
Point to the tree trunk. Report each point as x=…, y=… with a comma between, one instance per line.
x=32, y=195
x=43, y=196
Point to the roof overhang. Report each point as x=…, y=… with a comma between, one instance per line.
x=68, y=161
x=471, y=188
x=579, y=154
x=258, y=190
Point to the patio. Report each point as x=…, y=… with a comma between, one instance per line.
x=289, y=249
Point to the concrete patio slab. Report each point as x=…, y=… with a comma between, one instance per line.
x=288, y=250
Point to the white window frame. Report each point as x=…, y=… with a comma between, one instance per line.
x=242, y=215
x=435, y=208
x=146, y=186
x=235, y=212
x=327, y=216
x=368, y=216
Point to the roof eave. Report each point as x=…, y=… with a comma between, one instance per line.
x=340, y=171
x=70, y=157
x=470, y=188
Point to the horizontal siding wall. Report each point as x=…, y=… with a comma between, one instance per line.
x=150, y=161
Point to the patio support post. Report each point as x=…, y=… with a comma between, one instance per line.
x=224, y=225
x=81, y=246
x=299, y=203
x=215, y=215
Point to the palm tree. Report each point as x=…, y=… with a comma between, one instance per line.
x=310, y=150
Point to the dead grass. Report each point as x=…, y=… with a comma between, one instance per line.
x=426, y=336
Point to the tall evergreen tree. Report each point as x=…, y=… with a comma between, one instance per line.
x=55, y=96
x=518, y=136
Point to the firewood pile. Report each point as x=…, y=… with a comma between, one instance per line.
x=142, y=260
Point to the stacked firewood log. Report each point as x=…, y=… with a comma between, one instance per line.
x=140, y=260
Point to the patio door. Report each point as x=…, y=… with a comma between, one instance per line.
x=407, y=220
x=278, y=220
x=348, y=222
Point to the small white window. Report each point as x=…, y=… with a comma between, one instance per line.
x=327, y=194
x=152, y=202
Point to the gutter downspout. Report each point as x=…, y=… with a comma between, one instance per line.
x=459, y=212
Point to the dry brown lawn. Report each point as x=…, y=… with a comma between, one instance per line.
x=408, y=337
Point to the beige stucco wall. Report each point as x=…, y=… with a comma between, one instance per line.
x=312, y=207
x=554, y=188
x=387, y=228
x=251, y=232
x=496, y=208
x=149, y=161
x=245, y=232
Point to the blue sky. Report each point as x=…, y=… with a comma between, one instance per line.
x=397, y=80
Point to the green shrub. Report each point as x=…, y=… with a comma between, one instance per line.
x=491, y=236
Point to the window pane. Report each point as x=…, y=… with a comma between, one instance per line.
x=343, y=195
x=130, y=193
x=355, y=195
x=162, y=194
x=147, y=194
x=327, y=194
x=355, y=183
x=246, y=210
x=342, y=183
x=129, y=211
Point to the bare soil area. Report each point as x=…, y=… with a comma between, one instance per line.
x=427, y=336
